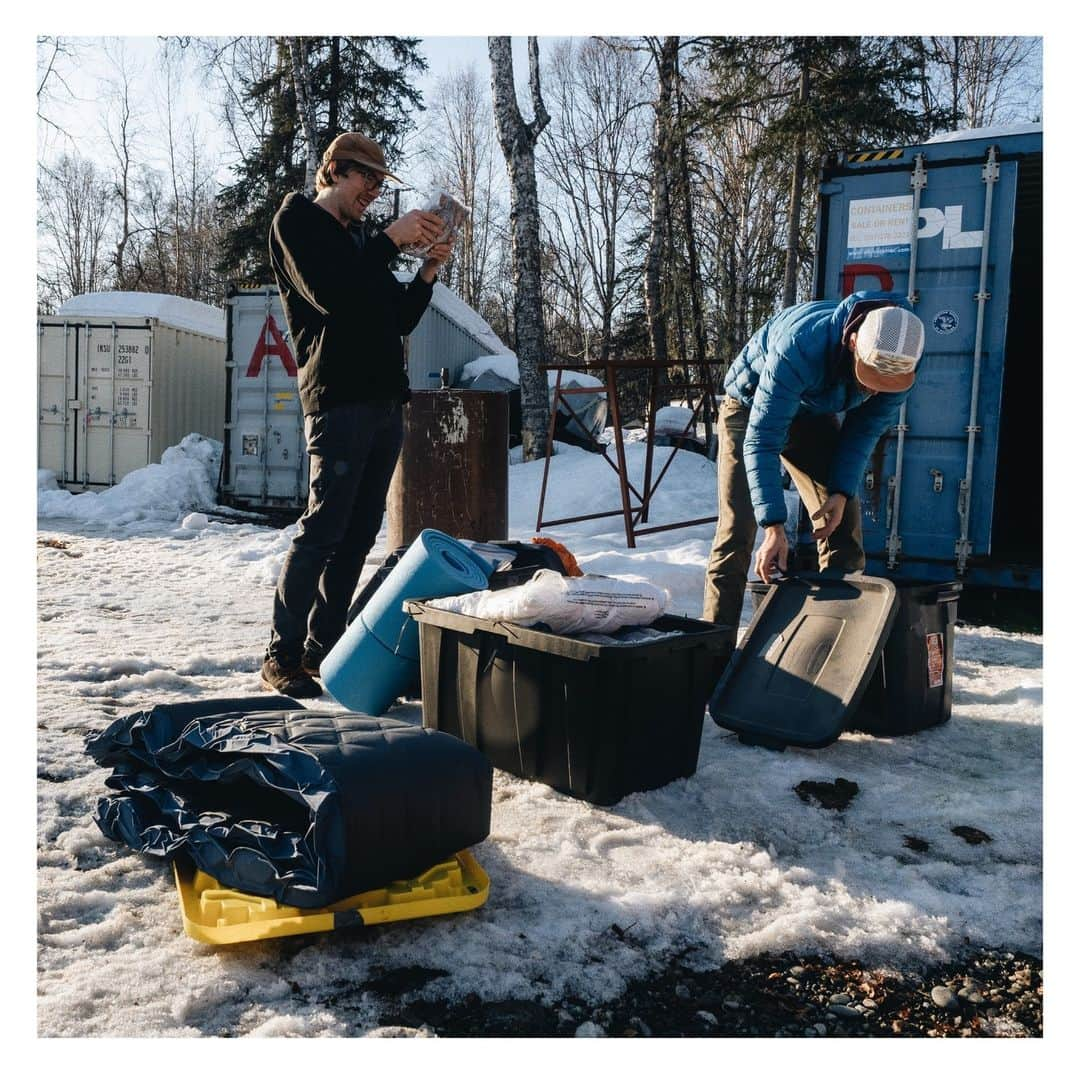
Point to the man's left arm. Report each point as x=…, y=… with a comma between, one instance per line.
x=862, y=428
x=417, y=294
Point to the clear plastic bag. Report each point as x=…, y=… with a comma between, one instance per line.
x=568, y=605
x=453, y=213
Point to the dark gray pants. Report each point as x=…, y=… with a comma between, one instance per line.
x=807, y=457
x=353, y=450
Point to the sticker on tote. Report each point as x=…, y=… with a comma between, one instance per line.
x=935, y=660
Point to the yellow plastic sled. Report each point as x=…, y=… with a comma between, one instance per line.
x=220, y=916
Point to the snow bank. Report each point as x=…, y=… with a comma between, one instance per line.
x=184, y=481
x=172, y=310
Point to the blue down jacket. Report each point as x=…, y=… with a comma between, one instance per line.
x=794, y=365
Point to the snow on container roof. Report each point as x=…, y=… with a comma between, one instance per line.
x=175, y=311
x=457, y=311
x=999, y=132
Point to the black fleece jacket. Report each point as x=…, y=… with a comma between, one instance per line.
x=346, y=310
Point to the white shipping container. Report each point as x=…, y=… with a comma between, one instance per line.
x=122, y=377
x=264, y=465
x=265, y=462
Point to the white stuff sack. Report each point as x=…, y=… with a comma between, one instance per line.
x=569, y=605
x=453, y=213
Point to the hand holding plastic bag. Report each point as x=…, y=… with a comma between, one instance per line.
x=453, y=214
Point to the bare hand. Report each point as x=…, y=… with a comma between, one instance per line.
x=440, y=253
x=415, y=227
x=772, y=554
x=432, y=264
x=831, y=514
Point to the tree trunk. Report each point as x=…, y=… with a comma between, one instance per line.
x=696, y=313
x=798, y=176
x=335, y=86
x=659, y=201
x=518, y=141
x=305, y=108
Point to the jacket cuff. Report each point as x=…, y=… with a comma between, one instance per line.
x=771, y=515
x=841, y=484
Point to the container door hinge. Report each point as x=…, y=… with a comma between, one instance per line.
x=963, y=553
x=939, y=480
x=963, y=545
x=893, y=548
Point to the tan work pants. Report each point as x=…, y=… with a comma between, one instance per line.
x=807, y=456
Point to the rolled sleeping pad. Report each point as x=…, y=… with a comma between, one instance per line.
x=378, y=656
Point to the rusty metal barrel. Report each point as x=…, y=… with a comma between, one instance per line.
x=453, y=473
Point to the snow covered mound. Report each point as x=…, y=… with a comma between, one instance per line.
x=185, y=481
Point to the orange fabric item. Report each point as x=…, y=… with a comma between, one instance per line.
x=569, y=562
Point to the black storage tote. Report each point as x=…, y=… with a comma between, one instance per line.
x=590, y=720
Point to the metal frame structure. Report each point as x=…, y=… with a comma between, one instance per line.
x=633, y=515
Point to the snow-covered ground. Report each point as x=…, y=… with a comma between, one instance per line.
x=146, y=598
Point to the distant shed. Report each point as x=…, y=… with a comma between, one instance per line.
x=122, y=376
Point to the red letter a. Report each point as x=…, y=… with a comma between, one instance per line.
x=263, y=348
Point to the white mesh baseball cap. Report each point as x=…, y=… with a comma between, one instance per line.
x=888, y=346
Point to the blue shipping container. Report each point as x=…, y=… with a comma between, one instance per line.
x=955, y=491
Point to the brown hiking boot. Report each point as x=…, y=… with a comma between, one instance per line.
x=310, y=662
x=288, y=679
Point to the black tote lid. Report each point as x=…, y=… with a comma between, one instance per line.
x=805, y=659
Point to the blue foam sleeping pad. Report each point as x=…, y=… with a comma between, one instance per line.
x=276, y=800
x=378, y=656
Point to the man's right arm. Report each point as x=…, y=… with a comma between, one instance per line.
x=776, y=402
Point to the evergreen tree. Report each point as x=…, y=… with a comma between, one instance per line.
x=358, y=84
x=831, y=93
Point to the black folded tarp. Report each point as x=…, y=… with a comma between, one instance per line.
x=303, y=806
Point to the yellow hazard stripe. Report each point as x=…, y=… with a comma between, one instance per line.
x=875, y=155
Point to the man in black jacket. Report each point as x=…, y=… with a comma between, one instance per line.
x=347, y=313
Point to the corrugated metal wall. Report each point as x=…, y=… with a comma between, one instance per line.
x=439, y=342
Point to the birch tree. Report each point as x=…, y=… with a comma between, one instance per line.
x=517, y=138
x=305, y=108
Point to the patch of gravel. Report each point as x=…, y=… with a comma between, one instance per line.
x=983, y=994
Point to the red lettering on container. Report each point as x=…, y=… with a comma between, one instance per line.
x=852, y=271
x=277, y=347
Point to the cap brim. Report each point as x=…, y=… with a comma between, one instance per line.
x=873, y=379
x=369, y=165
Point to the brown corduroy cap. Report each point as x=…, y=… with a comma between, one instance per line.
x=352, y=146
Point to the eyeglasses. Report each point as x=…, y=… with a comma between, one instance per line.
x=374, y=181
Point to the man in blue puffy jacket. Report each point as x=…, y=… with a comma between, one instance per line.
x=783, y=393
